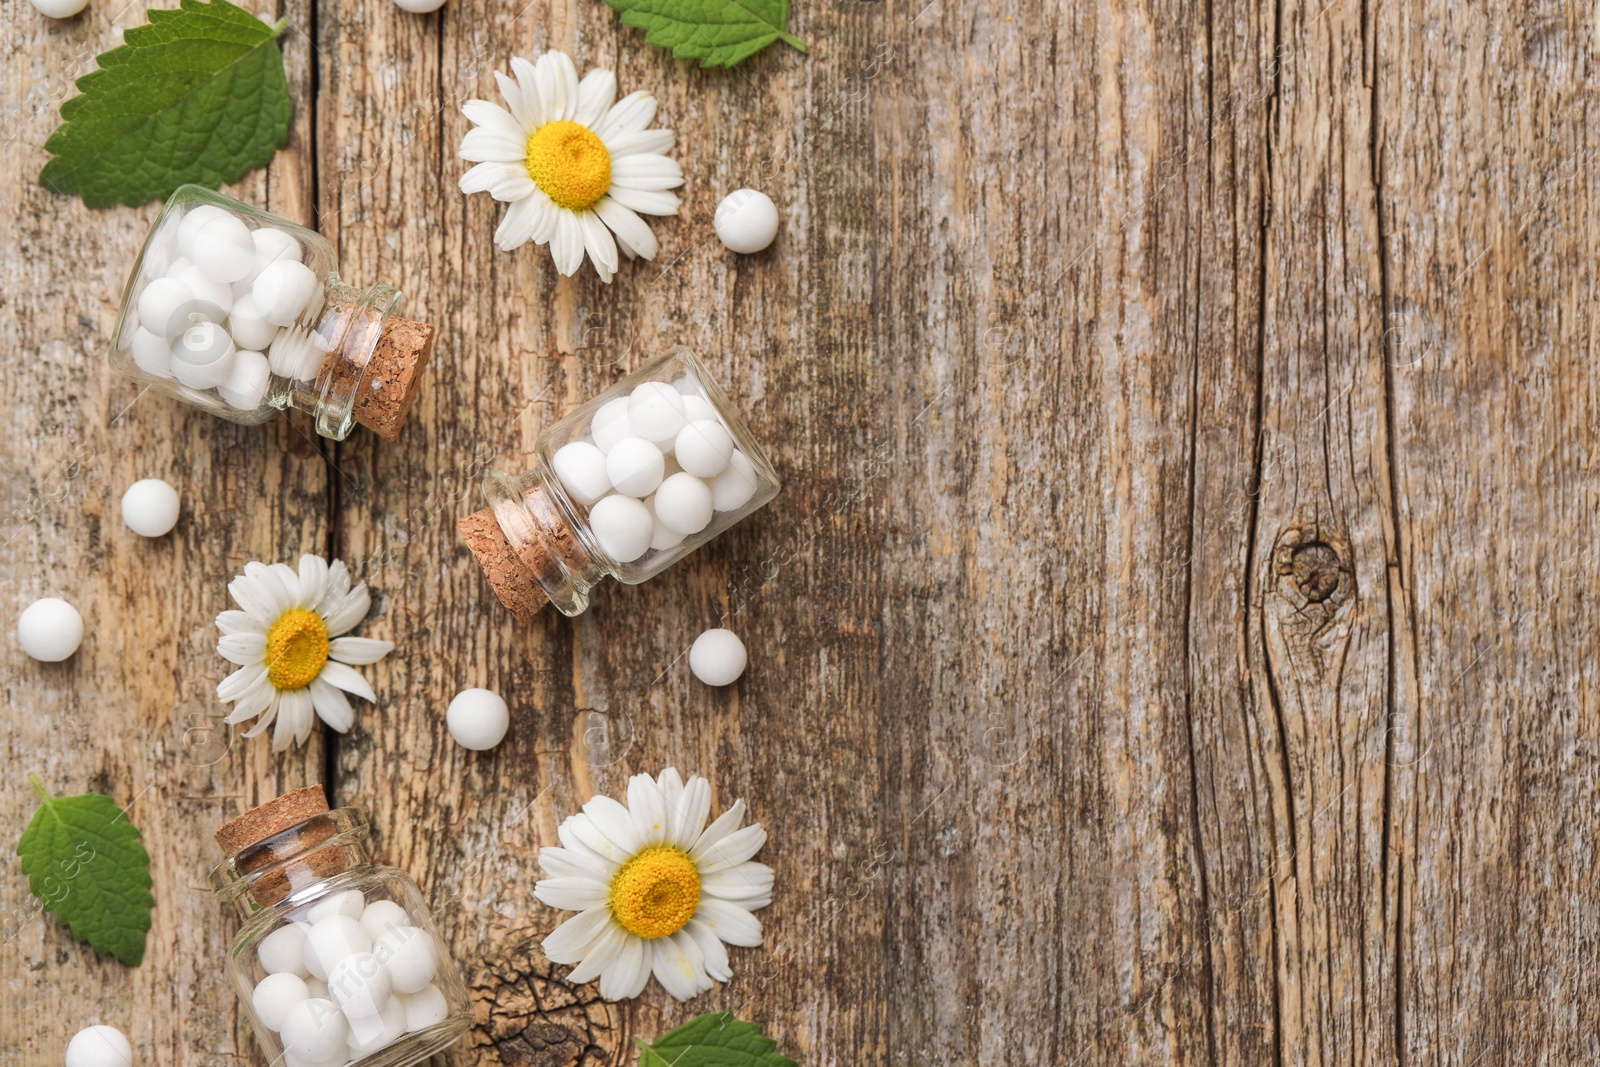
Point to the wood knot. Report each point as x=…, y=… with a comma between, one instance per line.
x=1313, y=566
x=530, y=1017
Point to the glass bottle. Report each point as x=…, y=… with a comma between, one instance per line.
x=241, y=313
x=625, y=485
x=338, y=961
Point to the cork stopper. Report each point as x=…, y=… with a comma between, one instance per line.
x=515, y=585
x=248, y=839
x=393, y=377
x=540, y=554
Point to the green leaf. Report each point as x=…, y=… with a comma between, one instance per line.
x=84, y=861
x=719, y=33
x=715, y=1040
x=198, y=95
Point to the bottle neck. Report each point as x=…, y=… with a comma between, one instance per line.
x=277, y=870
x=328, y=364
x=537, y=548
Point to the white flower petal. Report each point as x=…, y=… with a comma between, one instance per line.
x=506, y=182
x=715, y=955
x=251, y=704
x=345, y=614
x=331, y=706
x=689, y=818
x=566, y=249
x=731, y=850
x=545, y=214
x=571, y=894
x=305, y=716
x=557, y=72
x=260, y=602
x=678, y=967
x=596, y=93
x=612, y=820
x=580, y=834
x=645, y=201
x=621, y=145
x=569, y=942
x=725, y=824
x=647, y=808
x=633, y=233
x=748, y=884
x=495, y=121
x=629, y=115
x=313, y=579
x=528, y=81
x=235, y=622
x=243, y=648
x=602, y=952
x=288, y=726
x=270, y=717
x=485, y=146
x=730, y=922
x=627, y=974
x=346, y=678
x=558, y=862
x=646, y=171
x=241, y=682
x=290, y=581
x=358, y=650
x=598, y=243
x=517, y=101
x=515, y=229
x=338, y=588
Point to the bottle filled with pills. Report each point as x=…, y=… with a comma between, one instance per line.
x=338, y=962
x=242, y=313
x=625, y=485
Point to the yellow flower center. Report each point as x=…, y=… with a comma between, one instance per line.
x=656, y=892
x=297, y=647
x=569, y=164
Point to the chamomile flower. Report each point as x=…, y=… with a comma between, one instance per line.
x=657, y=891
x=577, y=166
x=295, y=662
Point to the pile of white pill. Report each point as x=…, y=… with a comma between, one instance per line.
x=654, y=468
x=223, y=307
x=345, y=979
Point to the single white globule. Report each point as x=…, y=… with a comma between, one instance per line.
x=161, y=307
x=246, y=388
x=718, y=657
x=409, y=954
x=419, y=7
x=381, y=916
x=369, y=1033
x=213, y=299
x=59, y=9
x=284, y=950
x=360, y=985
x=656, y=411
x=581, y=467
x=249, y=327
x=696, y=408
x=99, y=1046
x=50, y=630
x=635, y=466
x=203, y=357
x=275, y=995
x=332, y=939
x=704, y=448
x=273, y=244
x=683, y=503
x=345, y=902
x=424, y=1009
x=152, y=353
x=195, y=219
x=315, y=1030
x=478, y=719
x=734, y=487
x=746, y=220
x=224, y=249
x=610, y=424
x=623, y=526
x=282, y=290
x=150, y=507
x=663, y=536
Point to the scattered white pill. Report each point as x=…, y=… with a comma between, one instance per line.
x=734, y=487
x=332, y=939
x=50, y=630
x=246, y=388
x=213, y=298
x=581, y=467
x=478, y=719
x=203, y=357
x=190, y=225
x=224, y=249
x=284, y=950
x=346, y=902
x=623, y=526
x=315, y=1030
x=409, y=954
x=704, y=447
x=369, y=1033
x=99, y=1046
x=683, y=503
x=656, y=411
x=152, y=354
x=610, y=424
x=162, y=307
x=635, y=466
x=249, y=327
x=275, y=995
x=60, y=9
x=359, y=984
x=746, y=220
x=381, y=916
x=273, y=244
x=419, y=7
x=424, y=1009
x=283, y=290
x=150, y=507
x=718, y=657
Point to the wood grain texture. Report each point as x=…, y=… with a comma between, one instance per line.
x=1170, y=645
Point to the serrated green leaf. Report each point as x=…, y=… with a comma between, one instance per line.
x=715, y=1040
x=199, y=95
x=84, y=861
x=719, y=33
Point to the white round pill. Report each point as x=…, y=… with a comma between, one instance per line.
x=224, y=249
x=273, y=244
x=704, y=447
x=150, y=507
x=656, y=411
x=275, y=995
x=683, y=503
x=204, y=356
x=746, y=220
x=425, y=1009
x=696, y=408
x=345, y=902
x=610, y=424
x=581, y=467
x=193, y=221
x=99, y=1046
x=332, y=939
x=623, y=526
x=718, y=657
x=478, y=719
x=50, y=630
x=59, y=9
x=246, y=388
x=282, y=290
x=409, y=954
x=163, y=306
x=635, y=466
x=419, y=7
x=213, y=299
x=734, y=487
x=315, y=1030
x=151, y=353
x=359, y=984
x=369, y=1033
x=663, y=536
x=284, y=950
x=381, y=916
x=249, y=327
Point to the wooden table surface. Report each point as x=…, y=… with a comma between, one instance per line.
x=1171, y=644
